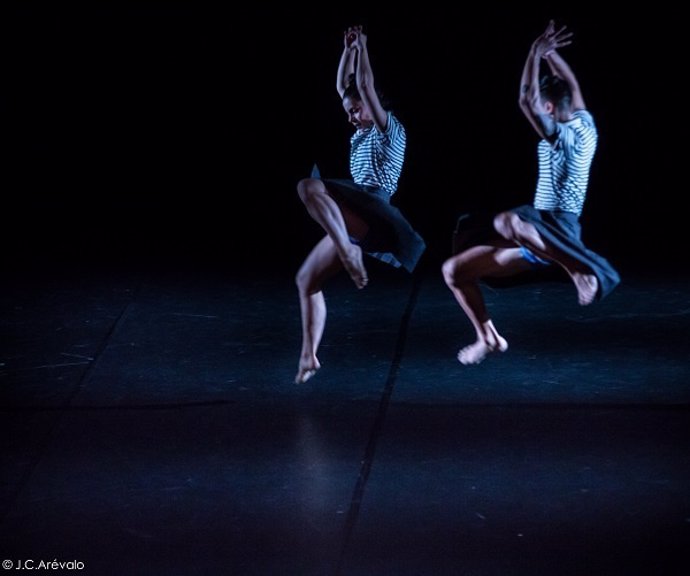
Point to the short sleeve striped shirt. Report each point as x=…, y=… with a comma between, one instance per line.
x=376, y=158
x=564, y=165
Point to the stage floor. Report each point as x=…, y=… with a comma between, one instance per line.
x=150, y=425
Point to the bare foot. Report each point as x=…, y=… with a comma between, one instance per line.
x=587, y=286
x=355, y=267
x=475, y=353
x=307, y=369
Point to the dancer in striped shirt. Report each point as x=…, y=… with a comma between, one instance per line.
x=356, y=214
x=548, y=231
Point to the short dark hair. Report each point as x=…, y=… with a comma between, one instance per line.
x=556, y=90
x=353, y=93
x=351, y=90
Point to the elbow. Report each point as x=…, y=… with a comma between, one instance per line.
x=530, y=103
x=527, y=98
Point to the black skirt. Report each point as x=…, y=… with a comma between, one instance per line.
x=391, y=238
x=560, y=229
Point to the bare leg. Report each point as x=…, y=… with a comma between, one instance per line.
x=511, y=227
x=321, y=264
x=326, y=211
x=462, y=273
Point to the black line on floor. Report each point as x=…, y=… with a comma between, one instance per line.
x=65, y=406
x=368, y=459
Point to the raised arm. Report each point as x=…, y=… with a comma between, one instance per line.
x=530, y=100
x=346, y=66
x=560, y=68
x=529, y=91
x=365, y=81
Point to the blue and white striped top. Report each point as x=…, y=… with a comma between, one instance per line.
x=564, y=165
x=376, y=158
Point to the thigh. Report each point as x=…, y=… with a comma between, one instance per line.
x=509, y=261
x=491, y=261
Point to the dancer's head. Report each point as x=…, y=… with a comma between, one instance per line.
x=358, y=112
x=556, y=96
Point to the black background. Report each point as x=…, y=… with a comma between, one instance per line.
x=174, y=135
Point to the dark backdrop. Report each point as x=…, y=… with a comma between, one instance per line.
x=174, y=135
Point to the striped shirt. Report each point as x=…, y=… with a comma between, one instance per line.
x=564, y=165
x=376, y=158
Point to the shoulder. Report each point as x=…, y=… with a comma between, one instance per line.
x=394, y=122
x=580, y=125
x=577, y=133
x=582, y=119
x=394, y=128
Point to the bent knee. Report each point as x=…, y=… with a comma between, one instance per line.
x=308, y=187
x=302, y=279
x=455, y=272
x=507, y=224
x=306, y=281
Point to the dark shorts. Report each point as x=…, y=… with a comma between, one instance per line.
x=561, y=229
x=391, y=238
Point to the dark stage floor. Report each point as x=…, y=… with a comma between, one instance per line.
x=150, y=426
